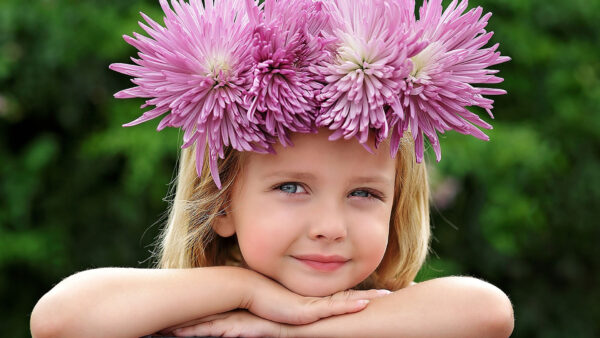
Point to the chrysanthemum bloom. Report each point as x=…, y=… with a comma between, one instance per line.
x=197, y=69
x=375, y=41
x=286, y=41
x=439, y=87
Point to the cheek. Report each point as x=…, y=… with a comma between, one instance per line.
x=372, y=237
x=255, y=249
x=264, y=234
x=374, y=242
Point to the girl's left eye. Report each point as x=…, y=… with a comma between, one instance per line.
x=365, y=194
x=290, y=188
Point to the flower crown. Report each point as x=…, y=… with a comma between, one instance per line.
x=242, y=74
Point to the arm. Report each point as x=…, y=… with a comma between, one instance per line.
x=121, y=302
x=125, y=302
x=443, y=307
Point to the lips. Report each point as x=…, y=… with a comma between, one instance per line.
x=322, y=263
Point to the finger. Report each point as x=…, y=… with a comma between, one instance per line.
x=331, y=306
x=314, y=308
x=360, y=294
x=348, y=301
x=319, y=308
x=215, y=317
x=202, y=329
x=194, y=322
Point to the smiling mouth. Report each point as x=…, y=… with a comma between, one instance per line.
x=322, y=263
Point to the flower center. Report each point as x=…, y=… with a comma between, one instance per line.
x=218, y=65
x=424, y=58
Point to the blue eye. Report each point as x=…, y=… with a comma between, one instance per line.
x=366, y=194
x=290, y=188
x=360, y=193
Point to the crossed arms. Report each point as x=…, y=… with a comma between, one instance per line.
x=126, y=302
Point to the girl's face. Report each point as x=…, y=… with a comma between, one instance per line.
x=314, y=217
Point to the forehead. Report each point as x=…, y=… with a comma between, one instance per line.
x=315, y=155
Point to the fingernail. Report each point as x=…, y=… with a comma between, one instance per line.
x=383, y=292
x=363, y=302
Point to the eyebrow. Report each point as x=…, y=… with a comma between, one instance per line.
x=308, y=176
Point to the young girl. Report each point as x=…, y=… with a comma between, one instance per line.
x=278, y=226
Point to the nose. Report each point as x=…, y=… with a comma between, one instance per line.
x=328, y=224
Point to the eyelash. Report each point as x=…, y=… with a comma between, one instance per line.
x=372, y=194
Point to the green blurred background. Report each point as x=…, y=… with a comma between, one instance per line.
x=78, y=191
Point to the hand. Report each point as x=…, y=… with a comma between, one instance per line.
x=239, y=323
x=273, y=302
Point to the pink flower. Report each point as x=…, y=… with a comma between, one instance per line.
x=196, y=70
x=439, y=87
x=375, y=41
x=286, y=41
x=233, y=73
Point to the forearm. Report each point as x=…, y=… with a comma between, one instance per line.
x=121, y=302
x=444, y=307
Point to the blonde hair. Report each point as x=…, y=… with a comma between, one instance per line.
x=188, y=240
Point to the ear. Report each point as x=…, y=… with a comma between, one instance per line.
x=223, y=225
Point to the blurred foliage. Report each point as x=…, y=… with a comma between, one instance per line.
x=78, y=191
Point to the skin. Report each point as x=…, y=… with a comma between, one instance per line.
x=126, y=302
x=442, y=307
x=319, y=197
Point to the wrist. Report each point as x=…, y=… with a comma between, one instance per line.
x=289, y=331
x=298, y=331
x=244, y=284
